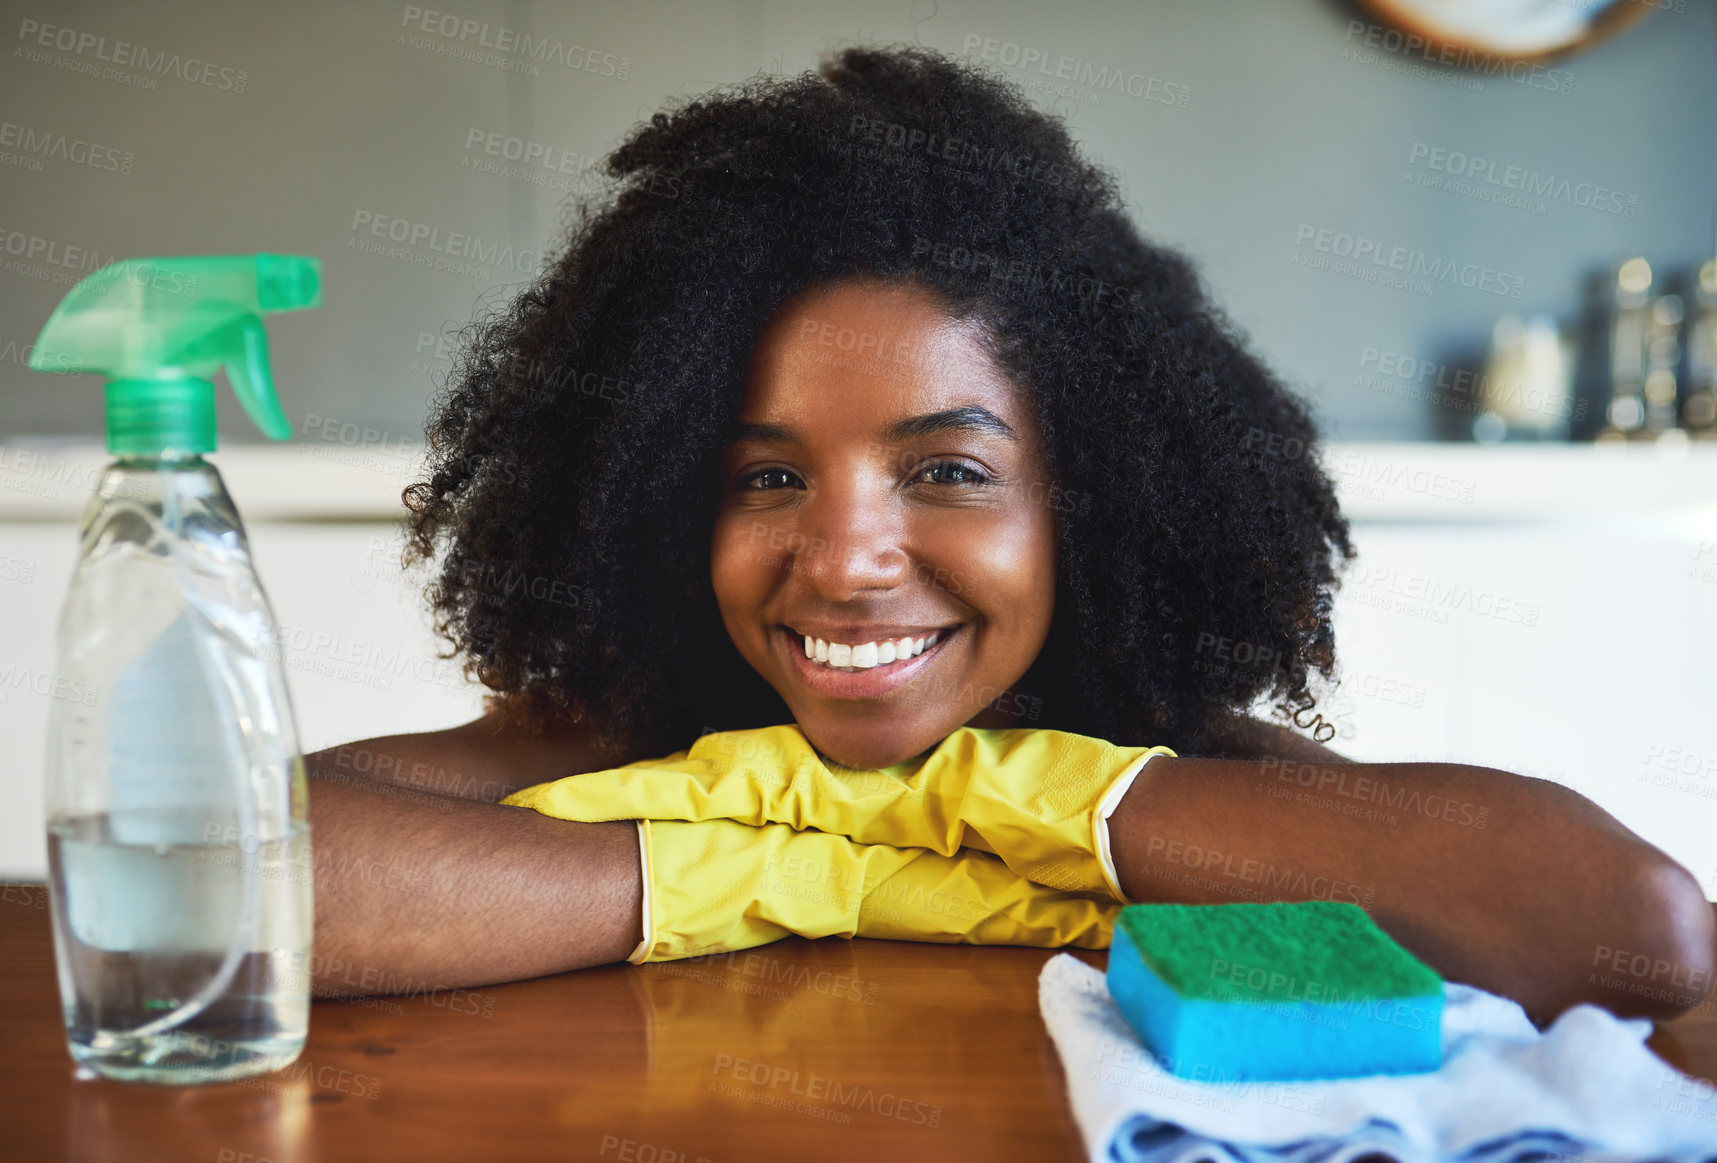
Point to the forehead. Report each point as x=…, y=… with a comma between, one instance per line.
x=867, y=349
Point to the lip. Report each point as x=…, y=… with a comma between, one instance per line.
x=859, y=684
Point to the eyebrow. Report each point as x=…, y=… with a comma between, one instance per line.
x=968, y=418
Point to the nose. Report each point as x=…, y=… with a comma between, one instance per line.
x=852, y=541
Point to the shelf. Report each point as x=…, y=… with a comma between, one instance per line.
x=50, y=479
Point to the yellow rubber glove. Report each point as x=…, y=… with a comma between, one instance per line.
x=1039, y=799
x=716, y=886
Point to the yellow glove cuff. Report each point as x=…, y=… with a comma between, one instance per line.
x=1100, y=827
x=637, y=955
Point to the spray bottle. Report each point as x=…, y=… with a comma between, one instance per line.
x=178, y=844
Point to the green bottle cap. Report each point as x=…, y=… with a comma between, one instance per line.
x=159, y=329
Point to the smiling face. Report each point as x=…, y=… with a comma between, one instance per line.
x=887, y=489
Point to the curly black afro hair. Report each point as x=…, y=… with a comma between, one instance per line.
x=573, y=449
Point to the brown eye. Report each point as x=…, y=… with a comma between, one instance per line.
x=953, y=472
x=767, y=478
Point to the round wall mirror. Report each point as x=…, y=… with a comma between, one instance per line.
x=1511, y=29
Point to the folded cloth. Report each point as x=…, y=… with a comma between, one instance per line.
x=1586, y=1090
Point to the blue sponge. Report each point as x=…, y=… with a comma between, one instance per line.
x=1274, y=991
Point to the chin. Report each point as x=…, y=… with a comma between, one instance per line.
x=870, y=745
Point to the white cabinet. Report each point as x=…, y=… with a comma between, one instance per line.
x=1581, y=652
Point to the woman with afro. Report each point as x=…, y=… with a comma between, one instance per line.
x=873, y=354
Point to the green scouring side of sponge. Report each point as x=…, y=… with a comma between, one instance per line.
x=1282, y=991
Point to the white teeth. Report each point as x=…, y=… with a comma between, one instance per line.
x=865, y=655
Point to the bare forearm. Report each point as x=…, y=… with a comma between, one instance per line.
x=1513, y=884
x=473, y=761
x=437, y=892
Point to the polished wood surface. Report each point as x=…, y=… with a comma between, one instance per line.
x=802, y=1049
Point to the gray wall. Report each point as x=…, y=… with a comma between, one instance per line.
x=1290, y=125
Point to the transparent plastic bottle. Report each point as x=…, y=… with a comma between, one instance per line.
x=180, y=873
x=178, y=845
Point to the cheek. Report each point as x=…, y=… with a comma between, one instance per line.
x=740, y=563
x=1004, y=570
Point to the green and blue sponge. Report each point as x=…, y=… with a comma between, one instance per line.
x=1303, y=990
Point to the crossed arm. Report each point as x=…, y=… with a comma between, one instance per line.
x=1514, y=884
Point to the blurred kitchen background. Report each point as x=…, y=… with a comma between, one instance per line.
x=1480, y=245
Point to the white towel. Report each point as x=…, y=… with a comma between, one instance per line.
x=1586, y=1090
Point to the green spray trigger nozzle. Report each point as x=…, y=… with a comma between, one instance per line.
x=241, y=347
x=253, y=383
x=159, y=329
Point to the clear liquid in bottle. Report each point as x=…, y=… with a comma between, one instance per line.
x=142, y=928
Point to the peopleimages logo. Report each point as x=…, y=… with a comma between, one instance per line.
x=1487, y=179
x=1375, y=261
x=1410, y=45
x=34, y=145
x=64, y=263
x=509, y=48
x=121, y=55
x=1077, y=71
x=450, y=245
x=1463, y=389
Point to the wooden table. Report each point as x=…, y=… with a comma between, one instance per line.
x=798, y=1050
